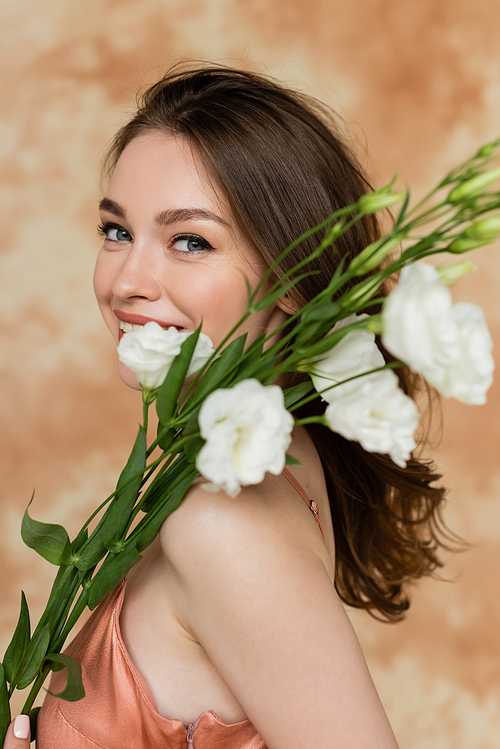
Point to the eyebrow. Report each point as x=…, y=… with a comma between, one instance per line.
x=170, y=216
x=106, y=204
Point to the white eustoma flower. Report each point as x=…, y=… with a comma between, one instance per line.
x=449, y=345
x=150, y=351
x=472, y=372
x=418, y=325
x=202, y=352
x=356, y=353
x=378, y=415
x=247, y=431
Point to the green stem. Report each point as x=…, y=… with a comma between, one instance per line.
x=145, y=412
x=310, y=420
x=37, y=685
x=77, y=611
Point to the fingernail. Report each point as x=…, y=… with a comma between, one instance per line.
x=22, y=727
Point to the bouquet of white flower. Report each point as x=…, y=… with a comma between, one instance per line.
x=230, y=424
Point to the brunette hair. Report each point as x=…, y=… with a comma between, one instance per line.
x=278, y=157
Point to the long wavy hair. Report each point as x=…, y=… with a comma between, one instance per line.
x=283, y=167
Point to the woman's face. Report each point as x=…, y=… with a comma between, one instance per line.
x=171, y=250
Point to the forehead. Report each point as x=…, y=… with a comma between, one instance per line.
x=159, y=167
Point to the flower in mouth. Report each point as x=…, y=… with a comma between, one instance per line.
x=149, y=350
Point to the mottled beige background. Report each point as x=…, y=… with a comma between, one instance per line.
x=418, y=81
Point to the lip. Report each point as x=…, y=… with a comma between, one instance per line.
x=142, y=320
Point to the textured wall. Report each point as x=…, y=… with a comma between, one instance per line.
x=418, y=82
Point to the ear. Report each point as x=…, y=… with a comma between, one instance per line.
x=287, y=304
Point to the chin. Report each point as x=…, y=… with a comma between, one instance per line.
x=127, y=376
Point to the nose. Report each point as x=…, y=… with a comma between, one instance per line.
x=138, y=275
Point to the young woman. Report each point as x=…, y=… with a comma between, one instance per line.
x=231, y=633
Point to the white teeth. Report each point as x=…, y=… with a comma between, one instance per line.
x=129, y=328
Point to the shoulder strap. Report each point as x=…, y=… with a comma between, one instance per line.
x=309, y=502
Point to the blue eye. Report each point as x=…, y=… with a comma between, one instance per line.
x=114, y=233
x=191, y=243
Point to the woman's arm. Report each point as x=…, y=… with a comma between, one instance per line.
x=258, y=599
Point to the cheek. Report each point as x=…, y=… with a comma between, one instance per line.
x=100, y=280
x=219, y=299
x=102, y=287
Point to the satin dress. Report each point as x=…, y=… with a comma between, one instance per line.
x=118, y=710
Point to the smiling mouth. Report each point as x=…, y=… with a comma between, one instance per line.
x=127, y=327
x=132, y=322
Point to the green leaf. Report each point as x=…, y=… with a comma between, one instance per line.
x=322, y=312
x=110, y=574
x=165, y=441
x=135, y=464
x=173, y=382
x=48, y=540
x=213, y=377
x=118, y=513
x=329, y=341
x=363, y=292
x=5, y=716
x=291, y=461
x=71, y=554
x=295, y=393
x=266, y=372
x=33, y=715
x=93, y=551
x=33, y=657
x=156, y=519
x=193, y=445
x=163, y=483
x=91, y=556
x=420, y=247
x=73, y=691
x=273, y=296
x=402, y=210
x=19, y=642
x=81, y=539
x=308, y=333
x=251, y=360
x=64, y=578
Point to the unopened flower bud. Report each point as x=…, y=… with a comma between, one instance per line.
x=372, y=256
x=375, y=324
x=488, y=149
x=473, y=187
x=464, y=245
x=485, y=230
x=377, y=201
x=448, y=274
x=335, y=231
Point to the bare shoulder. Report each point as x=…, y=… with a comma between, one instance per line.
x=211, y=528
x=270, y=518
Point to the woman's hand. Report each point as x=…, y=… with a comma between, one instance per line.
x=18, y=733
